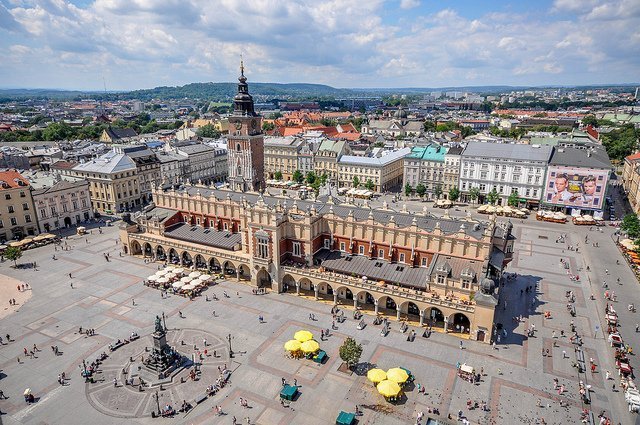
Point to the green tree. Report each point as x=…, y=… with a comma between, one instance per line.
x=298, y=177
x=208, y=131
x=590, y=120
x=311, y=177
x=323, y=179
x=277, y=175
x=421, y=190
x=429, y=126
x=356, y=181
x=631, y=226
x=369, y=185
x=350, y=352
x=454, y=194
x=438, y=191
x=407, y=189
x=268, y=126
x=514, y=199
x=474, y=194
x=13, y=253
x=493, y=196
x=58, y=131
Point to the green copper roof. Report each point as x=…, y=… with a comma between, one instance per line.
x=431, y=152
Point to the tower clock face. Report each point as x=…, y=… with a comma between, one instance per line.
x=238, y=125
x=254, y=124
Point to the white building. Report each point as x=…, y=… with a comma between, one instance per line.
x=385, y=171
x=62, y=204
x=206, y=163
x=505, y=167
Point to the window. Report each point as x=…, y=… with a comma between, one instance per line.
x=297, y=252
x=198, y=221
x=186, y=219
x=440, y=279
x=27, y=218
x=423, y=262
x=465, y=284
x=238, y=148
x=75, y=204
x=53, y=211
x=43, y=213
x=327, y=243
x=361, y=249
x=225, y=226
x=14, y=221
x=84, y=203
x=64, y=207
x=7, y=196
x=10, y=208
x=483, y=187
x=263, y=247
x=381, y=253
x=1, y=224
x=402, y=257
x=342, y=246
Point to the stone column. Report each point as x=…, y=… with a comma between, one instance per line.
x=355, y=302
x=421, y=317
x=335, y=298
x=316, y=288
x=238, y=275
x=375, y=304
x=297, y=288
x=398, y=313
x=446, y=324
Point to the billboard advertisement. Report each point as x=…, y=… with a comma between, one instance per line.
x=576, y=187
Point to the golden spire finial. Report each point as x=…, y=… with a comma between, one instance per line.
x=241, y=65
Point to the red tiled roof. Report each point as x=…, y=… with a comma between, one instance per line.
x=633, y=157
x=11, y=179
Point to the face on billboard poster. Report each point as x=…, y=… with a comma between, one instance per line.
x=574, y=187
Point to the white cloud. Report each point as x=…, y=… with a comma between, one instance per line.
x=409, y=4
x=142, y=43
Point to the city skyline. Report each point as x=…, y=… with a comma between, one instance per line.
x=381, y=44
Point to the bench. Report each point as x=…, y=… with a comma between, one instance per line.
x=114, y=347
x=200, y=398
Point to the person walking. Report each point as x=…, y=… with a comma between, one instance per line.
x=461, y=347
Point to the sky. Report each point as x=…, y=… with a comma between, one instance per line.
x=132, y=44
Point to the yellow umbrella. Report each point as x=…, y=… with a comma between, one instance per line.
x=292, y=345
x=310, y=346
x=303, y=336
x=397, y=375
x=376, y=375
x=388, y=388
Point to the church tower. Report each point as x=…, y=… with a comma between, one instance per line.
x=245, y=143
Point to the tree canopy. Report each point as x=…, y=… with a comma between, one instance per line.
x=350, y=352
x=13, y=253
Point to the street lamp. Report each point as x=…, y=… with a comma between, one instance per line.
x=164, y=321
x=157, y=397
x=230, y=350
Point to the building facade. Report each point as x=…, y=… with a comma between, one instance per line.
x=505, y=168
x=451, y=169
x=631, y=180
x=437, y=272
x=426, y=165
x=281, y=154
x=64, y=204
x=245, y=143
x=204, y=163
x=174, y=168
x=113, y=182
x=384, y=172
x=17, y=211
x=147, y=168
x=327, y=157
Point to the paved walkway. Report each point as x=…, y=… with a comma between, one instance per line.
x=515, y=374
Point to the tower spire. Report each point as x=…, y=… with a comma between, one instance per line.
x=241, y=66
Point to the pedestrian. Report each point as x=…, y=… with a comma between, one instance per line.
x=71, y=285
x=543, y=351
x=607, y=375
x=461, y=345
x=70, y=276
x=133, y=301
x=564, y=354
x=637, y=327
x=295, y=382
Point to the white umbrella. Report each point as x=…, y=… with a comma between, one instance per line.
x=204, y=277
x=161, y=272
x=27, y=391
x=178, y=284
x=171, y=275
x=178, y=270
x=194, y=274
x=169, y=269
x=186, y=279
x=188, y=287
x=162, y=280
x=153, y=278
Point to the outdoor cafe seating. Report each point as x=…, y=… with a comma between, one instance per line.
x=345, y=418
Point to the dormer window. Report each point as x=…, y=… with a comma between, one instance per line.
x=468, y=274
x=444, y=269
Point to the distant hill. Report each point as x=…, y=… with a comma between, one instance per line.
x=228, y=90
x=292, y=91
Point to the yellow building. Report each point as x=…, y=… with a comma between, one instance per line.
x=631, y=180
x=384, y=171
x=17, y=211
